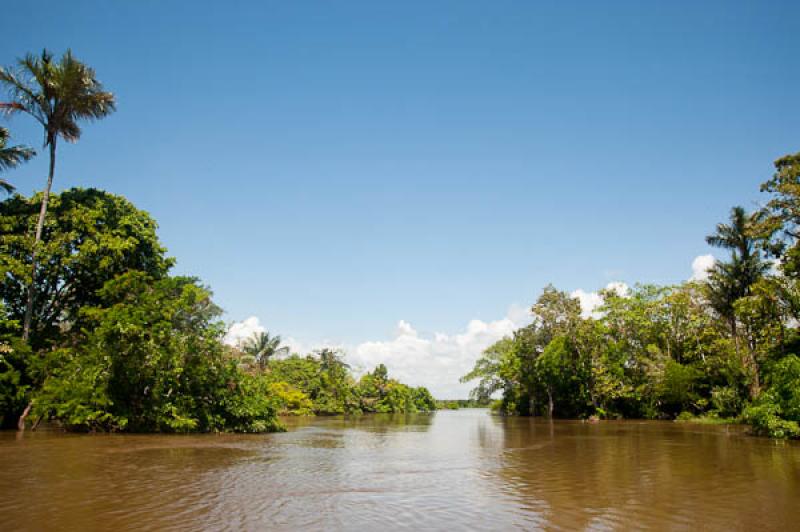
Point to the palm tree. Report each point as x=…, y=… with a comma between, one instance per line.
x=261, y=346
x=331, y=360
x=58, y=95
x=11, y=157
x=730, y=281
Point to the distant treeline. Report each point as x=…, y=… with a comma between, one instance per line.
x=455, y=404
x=321, y=384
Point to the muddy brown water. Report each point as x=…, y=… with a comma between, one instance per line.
x=452, y=470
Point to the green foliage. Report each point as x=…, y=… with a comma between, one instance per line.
x=653, y=352
x=727, y=401
x=11, y=157
x=290, y=400
x=378, y=393
x=781, y=219
x=766, y=419
x=676, y=387
x=153, y=361
x=325, y=381
x=76, y=392
x=776, y=413
x=455, y=404
x=261, y=347
x=13, y=385
x=117, y=343
x=495, y=370
x=784, y=386
x=705, y=351
x=732, y=280
x=90, y=238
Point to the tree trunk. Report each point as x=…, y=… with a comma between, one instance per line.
x=755, y=380
x=755, y=384
x=26, y=326
x=550, y=406
x=23, y=417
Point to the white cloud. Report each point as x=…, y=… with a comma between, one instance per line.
x=243, y=329
x=435, y=361
x=404, y=329
x=591, y=301
x=700, y=266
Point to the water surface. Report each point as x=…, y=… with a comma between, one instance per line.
x=453, y=470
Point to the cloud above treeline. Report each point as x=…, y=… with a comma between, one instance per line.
x=437, y=361
x=242, y=330
x=700, y=266
x=591, y=301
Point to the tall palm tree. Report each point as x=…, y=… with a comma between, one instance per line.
x=732, y=280
x=729, y=281
x=58, y=95
x=261, y=346
x=11, y=157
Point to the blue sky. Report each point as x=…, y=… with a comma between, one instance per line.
x=332, y=168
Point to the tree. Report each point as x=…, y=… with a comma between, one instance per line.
x=91, y=237
x=379, y=393
x=730, y=281
x=11, y=157
x=331, y=361
x=497, y=370
x=781, y=216
x=261, y=346
x=58, y=95
x=152, y=360
x=336, y=386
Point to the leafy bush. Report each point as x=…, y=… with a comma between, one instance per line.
x=776, y=413
x=290, y=400
x=13, y=388
x=675, y=390
x=378, y=393
x=153, y=361
x=727, y=401
x=766, y=420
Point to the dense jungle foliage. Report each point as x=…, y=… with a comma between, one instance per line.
x=117, y=343
x=322, y=384
x=720, y=349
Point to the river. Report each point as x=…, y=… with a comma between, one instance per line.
x=452, y=470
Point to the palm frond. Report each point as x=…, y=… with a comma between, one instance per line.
x=58, y=94
x=11, y=157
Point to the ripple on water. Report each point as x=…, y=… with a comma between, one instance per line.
x=455, y=470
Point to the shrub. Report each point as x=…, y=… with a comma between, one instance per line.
x=290, y=400
x=153, y=361
x=727, y=401
x=765, y=420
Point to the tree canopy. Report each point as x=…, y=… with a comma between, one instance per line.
x=722, y=349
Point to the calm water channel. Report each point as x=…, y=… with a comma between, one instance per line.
x=453, y=470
